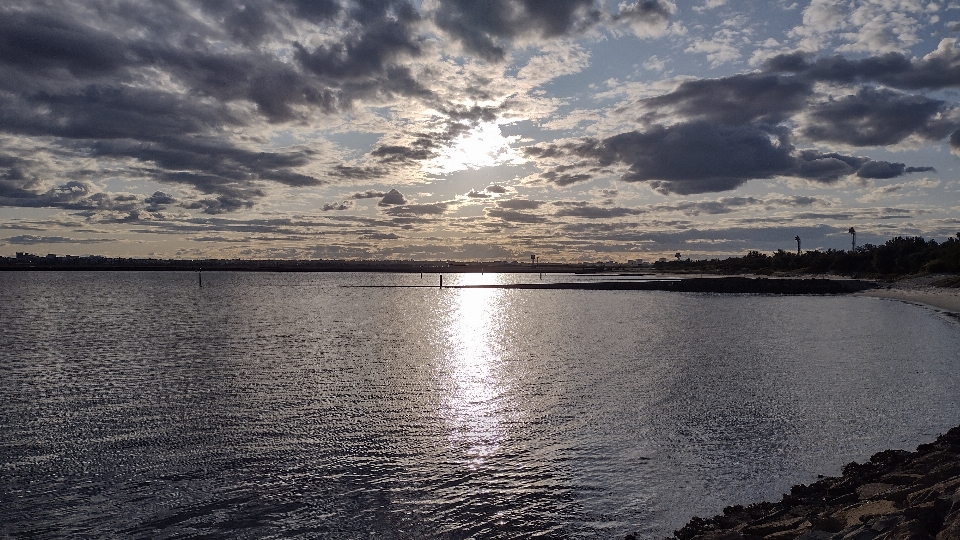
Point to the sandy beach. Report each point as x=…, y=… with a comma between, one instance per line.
x=920, y=290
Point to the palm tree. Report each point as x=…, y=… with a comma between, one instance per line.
x=797, y=238
x=854, y=233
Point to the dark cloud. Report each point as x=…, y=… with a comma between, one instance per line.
x=394, y=154
x=357, y=173
x=369, y=61
x=586, y=210
x=955, y=141
x=20, y=189
x=315, y=11
x=86, y=81
x=646, y=17
x=494, y=188
x=520, y=204
x=472, y=194
x=369, y=194
x=740, y=99
x=418, y=209
x=936, y=71
x=487, y=28
x=381, y=236
x=875, y=117
x=30, y=239
x=345, y=205
x=220, y=205
x=702, y=157
x=158, y=201
x=514, y=216
x=885, y=169
x=721, y=206
x=392, y=198
x=698, y=157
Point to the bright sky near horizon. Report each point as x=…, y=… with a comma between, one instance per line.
x=578, y=130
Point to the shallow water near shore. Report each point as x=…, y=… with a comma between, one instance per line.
x=139, y=404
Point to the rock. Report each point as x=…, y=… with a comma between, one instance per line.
x=896, y=495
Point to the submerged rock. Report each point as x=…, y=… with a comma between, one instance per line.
x=896, y=495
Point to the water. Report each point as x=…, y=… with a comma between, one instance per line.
x=288, y=405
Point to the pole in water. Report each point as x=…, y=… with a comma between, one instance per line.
x=200, y=277
x=441, y=281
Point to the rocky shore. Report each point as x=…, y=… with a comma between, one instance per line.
x=896, y=495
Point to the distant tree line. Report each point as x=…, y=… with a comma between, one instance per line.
x=898, y=256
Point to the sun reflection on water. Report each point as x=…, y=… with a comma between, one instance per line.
x=473, y=405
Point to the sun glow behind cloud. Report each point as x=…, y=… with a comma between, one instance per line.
x=482, y=146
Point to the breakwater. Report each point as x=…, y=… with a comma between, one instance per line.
x=896, y=494
x=742, y=285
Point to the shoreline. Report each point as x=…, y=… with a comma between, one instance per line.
x=895, y=495
x=920, y=290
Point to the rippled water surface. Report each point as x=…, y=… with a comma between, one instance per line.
x=266, y=405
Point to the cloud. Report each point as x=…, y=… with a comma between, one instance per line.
x=586, y=210
x=30, y=239
x=939, y=69
x=646, y=18
x=514, y=216
x=158, y=201
x=345, y=205
x=873, y=117
x=696, y=157
x=487, y=29
x=431, y=209
x=739, y=99
x=369, y=194
x=884, y=169
x=368, y=62
x=393, y=197
x=520, y=204
x=701, y=157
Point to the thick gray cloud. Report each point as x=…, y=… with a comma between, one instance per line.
x=874, y=117
x=885, y=169
x=158, y=201
x=697, y=157
x=740, y=99
x=936, y=71
x=32, y=239
x=369, y=194
x=392, y=198
x=369, y=61
x=520, y=204
x=486, y=28
x=589, y=211
x=514, y=216
x=345, y=205
x=86, y=80
x=702, y=157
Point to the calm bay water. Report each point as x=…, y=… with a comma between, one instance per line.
x=268, y=405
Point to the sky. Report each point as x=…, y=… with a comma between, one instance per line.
x=574, y=130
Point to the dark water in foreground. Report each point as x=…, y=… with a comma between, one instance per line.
x=285, y=405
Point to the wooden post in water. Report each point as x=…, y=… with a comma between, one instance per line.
x=200, y=277
x=441, y=281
